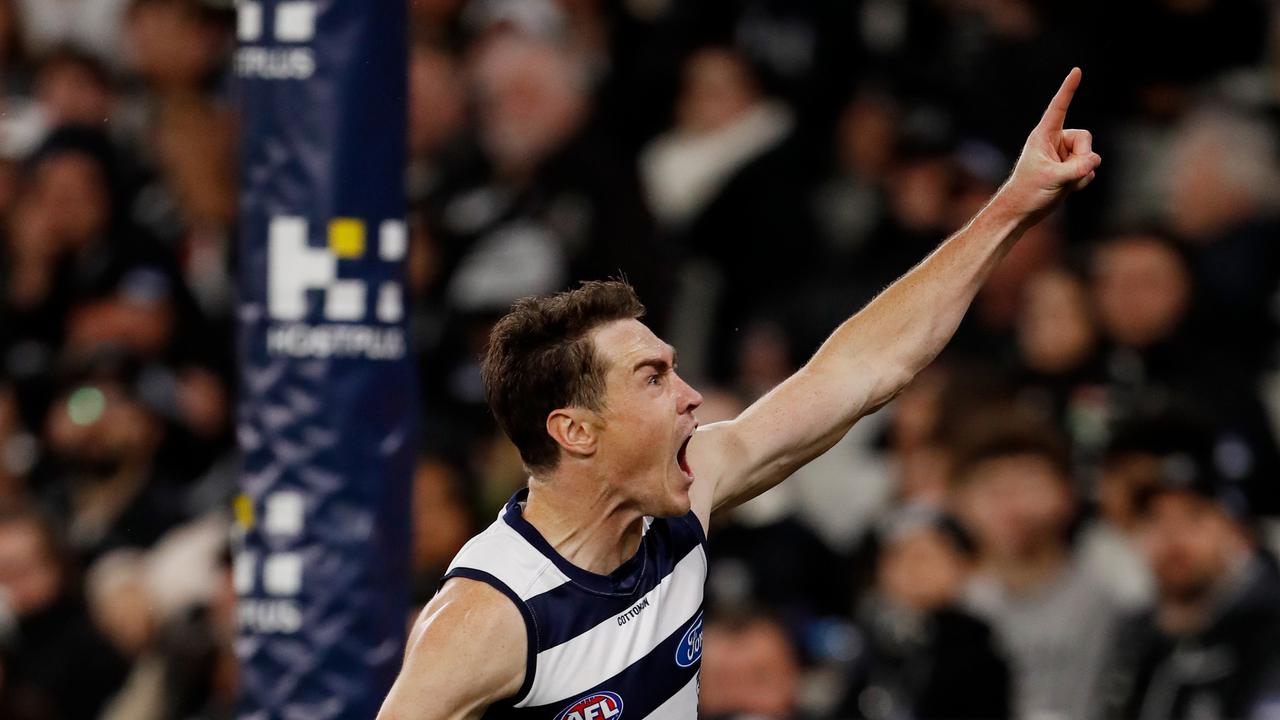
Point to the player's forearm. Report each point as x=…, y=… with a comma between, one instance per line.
x=875, y=353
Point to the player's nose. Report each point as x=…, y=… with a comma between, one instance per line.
x=691, y=398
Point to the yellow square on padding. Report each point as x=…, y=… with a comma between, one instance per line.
x=244, y=511
x=346, y=237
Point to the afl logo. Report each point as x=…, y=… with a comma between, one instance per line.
x=689, y=651
x=603, y=705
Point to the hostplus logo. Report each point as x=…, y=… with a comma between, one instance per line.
x=269, y=584
x=356, y=320
x=275, y=39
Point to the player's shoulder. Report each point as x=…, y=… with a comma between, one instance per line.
x=473, y=634
x=468, y=608
x=466, y=652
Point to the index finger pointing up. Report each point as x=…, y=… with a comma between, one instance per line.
x=1056, y=114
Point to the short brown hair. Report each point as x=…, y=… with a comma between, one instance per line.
x=1006, y=431
x=540, y=358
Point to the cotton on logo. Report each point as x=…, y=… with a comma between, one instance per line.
x=603, y=705
x=294, y=21
x=294, y=268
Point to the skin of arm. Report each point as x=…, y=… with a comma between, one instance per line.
x=876, y=353
x=466, y=651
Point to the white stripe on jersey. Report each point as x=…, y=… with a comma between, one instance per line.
x=506, y=556
x=681, y=706
x=609, y=648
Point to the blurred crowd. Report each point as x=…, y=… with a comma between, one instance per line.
x=1070, y=515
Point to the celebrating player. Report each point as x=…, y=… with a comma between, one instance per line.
x=584, y=599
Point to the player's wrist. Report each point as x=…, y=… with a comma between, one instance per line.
x=1013, y=206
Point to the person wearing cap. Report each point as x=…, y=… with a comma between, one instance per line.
x=1210, y=648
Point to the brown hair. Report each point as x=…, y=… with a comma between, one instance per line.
x=1003, y=431
x=540, y=358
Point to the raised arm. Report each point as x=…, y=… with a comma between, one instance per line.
x=467, y=651
x=875, y=353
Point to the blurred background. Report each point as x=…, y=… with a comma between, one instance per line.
x=1068, y=515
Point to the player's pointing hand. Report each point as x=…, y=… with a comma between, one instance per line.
x=1054, y=161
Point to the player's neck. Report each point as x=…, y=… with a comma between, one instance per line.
x=587, y=526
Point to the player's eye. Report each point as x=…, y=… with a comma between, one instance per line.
x=655, y=379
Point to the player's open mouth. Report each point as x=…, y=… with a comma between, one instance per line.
x=682, y=457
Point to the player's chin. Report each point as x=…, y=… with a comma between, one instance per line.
x=676, y=502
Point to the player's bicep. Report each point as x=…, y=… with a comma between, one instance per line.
x=723, y=463
x=466, y=651
x=797, y=421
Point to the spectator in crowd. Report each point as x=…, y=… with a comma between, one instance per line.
x=546, y=202
x=69, y=238
x=103, y=441
x=750, y=669
x=170, y=610
x=177, y=47
x=1157, y=348
x=1129, y=467
x=1012, y=489
x=850, y=204
x=725, y=185
x=540, y=200
x=194, y=152
x=74, y=88
x=437, y=114
x=1057, y=367
x=57, y=665
x=915, y=437
x=768, y=556
x=923, y=656
x=1209, y=646
x=1224, y=199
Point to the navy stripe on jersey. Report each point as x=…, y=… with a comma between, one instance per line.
x=530, y=625
x=645, y=684
x=576, y=611
x=625, y=579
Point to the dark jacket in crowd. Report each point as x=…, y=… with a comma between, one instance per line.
x=57, y=666
x=1222, y=671
x=943, y=665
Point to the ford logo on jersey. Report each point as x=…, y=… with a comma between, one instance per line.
x=689, y=651
x=603, y=705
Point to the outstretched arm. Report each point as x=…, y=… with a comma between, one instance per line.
x=875, y=353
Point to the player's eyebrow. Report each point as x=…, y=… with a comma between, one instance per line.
x=658, y=363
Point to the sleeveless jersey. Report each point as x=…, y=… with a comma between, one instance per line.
x=622, y=646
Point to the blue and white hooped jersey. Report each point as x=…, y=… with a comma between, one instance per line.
x=622, y=646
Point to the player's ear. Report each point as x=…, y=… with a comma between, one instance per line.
x=575, y=430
